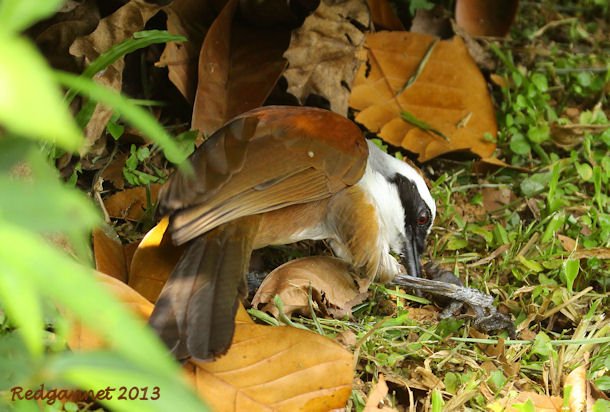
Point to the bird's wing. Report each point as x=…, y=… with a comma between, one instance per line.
x=263, y=160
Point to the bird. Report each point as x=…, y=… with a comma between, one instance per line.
x=277, y=175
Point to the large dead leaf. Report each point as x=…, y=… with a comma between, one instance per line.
x=82, y=338
x=276, y=369
x=323, y=54
x=330, y=279
x=108, y=253
x=438, y=84
x=484, y=17
x=238, y=67
x=131, y=204
x=542, y=403
x=190, y=18
x=267, y=368
x=115, y=28
x=153, y=261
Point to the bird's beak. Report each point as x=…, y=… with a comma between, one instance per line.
x=410, y=258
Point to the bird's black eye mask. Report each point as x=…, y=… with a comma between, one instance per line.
x=418, y=216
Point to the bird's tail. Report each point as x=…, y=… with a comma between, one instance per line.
x=194, y=314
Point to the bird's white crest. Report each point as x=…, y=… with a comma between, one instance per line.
x=388, y=166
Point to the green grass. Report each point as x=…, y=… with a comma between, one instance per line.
x=554, y=129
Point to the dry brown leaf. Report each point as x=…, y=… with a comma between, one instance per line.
x=129, y=250
x=153, y=262
x=495, y=198
x=131, y=204
x=238, y=68
x=376, y=396
x=347, y=338
x=323, y=54
x=426, y=378
x=598, y=252
x=580, y=398
x=61, y=31
x=434, y=22
x=450, y=95
x=266, y=368
x=567, y=243
x=384, y=16
x=567, y=138
x=108, y=253
x=190, y=18
x=276, y=368
x=115, y=28
x=84, y=339
x=491, y=164
x=113, y=172
x=542, y=403
x=486, y=18
x=426, y=314
x=330, y=279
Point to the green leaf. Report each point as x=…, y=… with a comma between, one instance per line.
x=584, y=171
x=437, y=401
x=571, y=267
x=525, y=407
x=74, y=287
x=138, y=41
x=539, y=134
x=478, y=230
x=45, y=206
x=540, y=82
x=154, y=391
x=415, y=5
x=456, y=243
x=477, y=199
x=535, y=184
x=603, y=383
x=500, y=235
x=115, y=129
x=542, y=345
x=496, y=380
x=30, y=101
x=531, y=265
x=519, y=144
x=16, y=15
x=452, y=382
x=136, y=116
x=555, y=224
x=554, y=198
x=601, y=405
x=23, y=307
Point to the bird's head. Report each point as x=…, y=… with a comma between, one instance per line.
x=404, y=203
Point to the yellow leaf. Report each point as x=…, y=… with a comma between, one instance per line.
x=266, y=368
x=276, y=368
x=153, y=262
x=108, y=253
x=437, y=84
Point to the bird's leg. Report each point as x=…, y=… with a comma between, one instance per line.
x=455, y=295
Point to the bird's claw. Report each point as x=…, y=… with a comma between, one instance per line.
x=444, y=284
